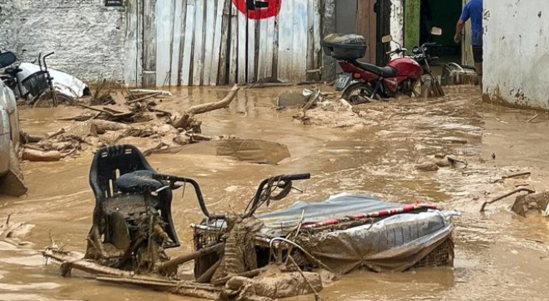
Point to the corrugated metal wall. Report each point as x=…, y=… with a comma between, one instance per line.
x=211, y=42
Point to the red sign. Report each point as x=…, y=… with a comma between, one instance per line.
x=257, y=10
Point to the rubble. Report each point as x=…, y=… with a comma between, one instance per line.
x=538, y=203
x=119, y=117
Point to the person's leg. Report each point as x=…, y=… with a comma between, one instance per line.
x=477, y=55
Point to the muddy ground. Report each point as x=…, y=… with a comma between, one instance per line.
x=499, y=256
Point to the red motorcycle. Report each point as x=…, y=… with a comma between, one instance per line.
x=362, y=82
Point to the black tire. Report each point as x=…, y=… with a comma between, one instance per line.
x=358, y=93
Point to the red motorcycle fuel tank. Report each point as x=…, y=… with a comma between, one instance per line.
x=407, y=68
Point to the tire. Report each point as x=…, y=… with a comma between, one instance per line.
x=358, y=93
x=45, y=100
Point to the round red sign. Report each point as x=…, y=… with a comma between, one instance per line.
x=263, y=9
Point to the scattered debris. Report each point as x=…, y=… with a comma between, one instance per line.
x=531, y=202
x=12, y=233
x=532, y=118
x=454, y=74
x=518, y=190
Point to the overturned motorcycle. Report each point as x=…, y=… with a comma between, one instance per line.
x=246, y=256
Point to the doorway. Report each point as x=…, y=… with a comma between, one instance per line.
x=443, y=14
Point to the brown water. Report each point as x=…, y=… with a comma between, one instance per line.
x=498, y=256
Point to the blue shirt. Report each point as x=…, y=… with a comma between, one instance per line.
x=473, y=11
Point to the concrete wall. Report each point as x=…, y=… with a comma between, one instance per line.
x=87, y=37
x=516, y=52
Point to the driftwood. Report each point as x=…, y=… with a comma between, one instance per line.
x=69, y=262
x=36, y=155
x=532, y=118
x=57, y=133
x=102, y=126
x=169, y=266
x=311, y=102
x=144, y=97
x=530, y=191
x=516, y=175
x=186, y=117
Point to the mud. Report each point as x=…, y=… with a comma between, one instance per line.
x=499, y=256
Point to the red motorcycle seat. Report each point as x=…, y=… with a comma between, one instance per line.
x=386, y=72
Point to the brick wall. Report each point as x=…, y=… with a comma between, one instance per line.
x=88, y=38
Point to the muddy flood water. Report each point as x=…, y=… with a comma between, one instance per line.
x=499, y=256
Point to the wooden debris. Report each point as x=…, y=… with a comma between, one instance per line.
x=169, y=266
x=516, y=175
x=36, y=155
x=144, y=98
x=532, y=118
x=529, y=191
x=102, y=126
x=186, y=117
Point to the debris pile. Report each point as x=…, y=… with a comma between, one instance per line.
x=113, y=117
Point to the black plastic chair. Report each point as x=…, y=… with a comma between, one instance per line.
x=112, y=162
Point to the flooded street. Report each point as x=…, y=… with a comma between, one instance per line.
x=498, y=255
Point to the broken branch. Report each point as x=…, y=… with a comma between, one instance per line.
x=530, y=191
x=183, y=121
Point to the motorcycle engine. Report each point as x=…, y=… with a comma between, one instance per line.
x=407, y=87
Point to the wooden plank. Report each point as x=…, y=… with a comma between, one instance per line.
x=285, y=40
x=233, y=36
x=164, y=26
x=412, y=20
x=310, y=35
x=211, y=14
x=133, y=47
x=276, y=47
x=176, y=41
x=250, y=51
x=149, y=43
x=198, y=54
x=263, y=43
x=317, y=34
x=242, y=47
x=188, y=46
x=299, y=55
x=257, y=44
x=182, y=42
x=214, y=64
x=224, y=57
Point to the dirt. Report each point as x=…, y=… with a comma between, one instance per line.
x=499, y=256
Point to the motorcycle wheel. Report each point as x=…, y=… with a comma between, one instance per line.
x=358, y=93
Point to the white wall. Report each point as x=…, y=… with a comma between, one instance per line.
x=87, y=37
x=516, y=52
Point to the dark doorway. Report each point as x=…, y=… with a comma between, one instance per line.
x=443, y=14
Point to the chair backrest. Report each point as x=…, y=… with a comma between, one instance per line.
x=7, y=58
x=109, y=164
x=36, y=83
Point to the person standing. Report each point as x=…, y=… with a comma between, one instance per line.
x=473, y=11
